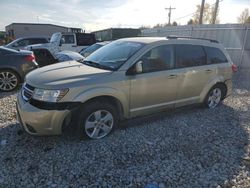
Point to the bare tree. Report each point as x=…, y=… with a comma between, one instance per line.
x=244, y=16
x=208, y=13
x=211, y=14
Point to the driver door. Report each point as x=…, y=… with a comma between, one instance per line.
x=156, y=87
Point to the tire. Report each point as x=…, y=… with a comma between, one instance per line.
x=214, y=96
x=9, y=80
x=96, y=120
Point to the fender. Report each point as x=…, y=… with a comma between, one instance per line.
x=105, y=91
x=210, y=84
x=14, y=68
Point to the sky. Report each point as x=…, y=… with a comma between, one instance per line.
x=92, y=15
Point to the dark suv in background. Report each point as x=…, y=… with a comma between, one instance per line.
x=20, y=43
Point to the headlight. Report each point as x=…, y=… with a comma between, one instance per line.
x=49, y=95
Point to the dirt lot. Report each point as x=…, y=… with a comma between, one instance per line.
x=190, y=147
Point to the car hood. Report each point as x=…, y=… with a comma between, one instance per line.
x=64, y=75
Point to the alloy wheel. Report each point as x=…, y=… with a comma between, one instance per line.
x=214, y=98
x=8, y=81
x=99, y=124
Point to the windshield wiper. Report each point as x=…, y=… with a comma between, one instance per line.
x=97, y=65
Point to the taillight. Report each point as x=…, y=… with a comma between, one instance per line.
x=30, y=58
x=234, y=68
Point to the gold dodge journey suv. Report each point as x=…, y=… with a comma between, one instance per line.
x=126, y=78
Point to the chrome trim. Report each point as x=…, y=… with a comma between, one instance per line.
x=163, y=104
x=25, y=89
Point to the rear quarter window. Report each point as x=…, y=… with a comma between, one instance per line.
x=215, y=55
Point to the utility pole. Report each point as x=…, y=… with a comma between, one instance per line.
x=201, y=13
x=215, y=11
x=169, y=14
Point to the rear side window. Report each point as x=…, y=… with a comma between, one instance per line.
x=215, y=55
x=189, y=55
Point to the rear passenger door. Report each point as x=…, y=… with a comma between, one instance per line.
x=191, y=62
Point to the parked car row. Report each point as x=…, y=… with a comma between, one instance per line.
x=44, y=52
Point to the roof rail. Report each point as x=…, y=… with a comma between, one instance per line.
x=186, y=37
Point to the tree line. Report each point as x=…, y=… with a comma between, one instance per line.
x=208, y=14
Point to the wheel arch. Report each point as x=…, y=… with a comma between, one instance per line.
x=219, y=81
x=117, y=98
x=13, y=70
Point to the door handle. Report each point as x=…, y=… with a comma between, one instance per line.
x=208, y=70
x=73, y=45
x=172, y=76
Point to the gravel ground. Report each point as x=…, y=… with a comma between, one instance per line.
x=189, y=147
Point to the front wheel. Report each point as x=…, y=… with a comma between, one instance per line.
x=214, y=97
x=97, y=120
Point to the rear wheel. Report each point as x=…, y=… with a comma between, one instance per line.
x=9, y=80
x=97, y=120
x=214, y=96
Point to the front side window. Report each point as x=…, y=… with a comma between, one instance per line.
x=38, y=41
x=215, y=55
x=68, y=39
x=189, y=55
x=24, y=42
x=113, y=55
x=158, y=59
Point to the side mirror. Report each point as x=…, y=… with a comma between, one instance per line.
x=138, y=67
x=135, y=69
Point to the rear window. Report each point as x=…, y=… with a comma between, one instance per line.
x=189, y=55
x=215, y=55
x=4, y=50
x=85, y=39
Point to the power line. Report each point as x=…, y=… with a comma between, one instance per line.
x=169, y=14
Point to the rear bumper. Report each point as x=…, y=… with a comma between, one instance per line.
x=36, y=121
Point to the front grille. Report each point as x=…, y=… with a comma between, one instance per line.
x=27, y=91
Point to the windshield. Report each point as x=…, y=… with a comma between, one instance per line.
x=55, y=37
x=114, y=54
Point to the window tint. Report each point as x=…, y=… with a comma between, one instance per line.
x=85, y=39
x=68, y=39
x=38, y=41
x=24, y=42
x=158, y=59
x=215, y=55
x=189, y=55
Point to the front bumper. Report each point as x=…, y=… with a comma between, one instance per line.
x=36, y=121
